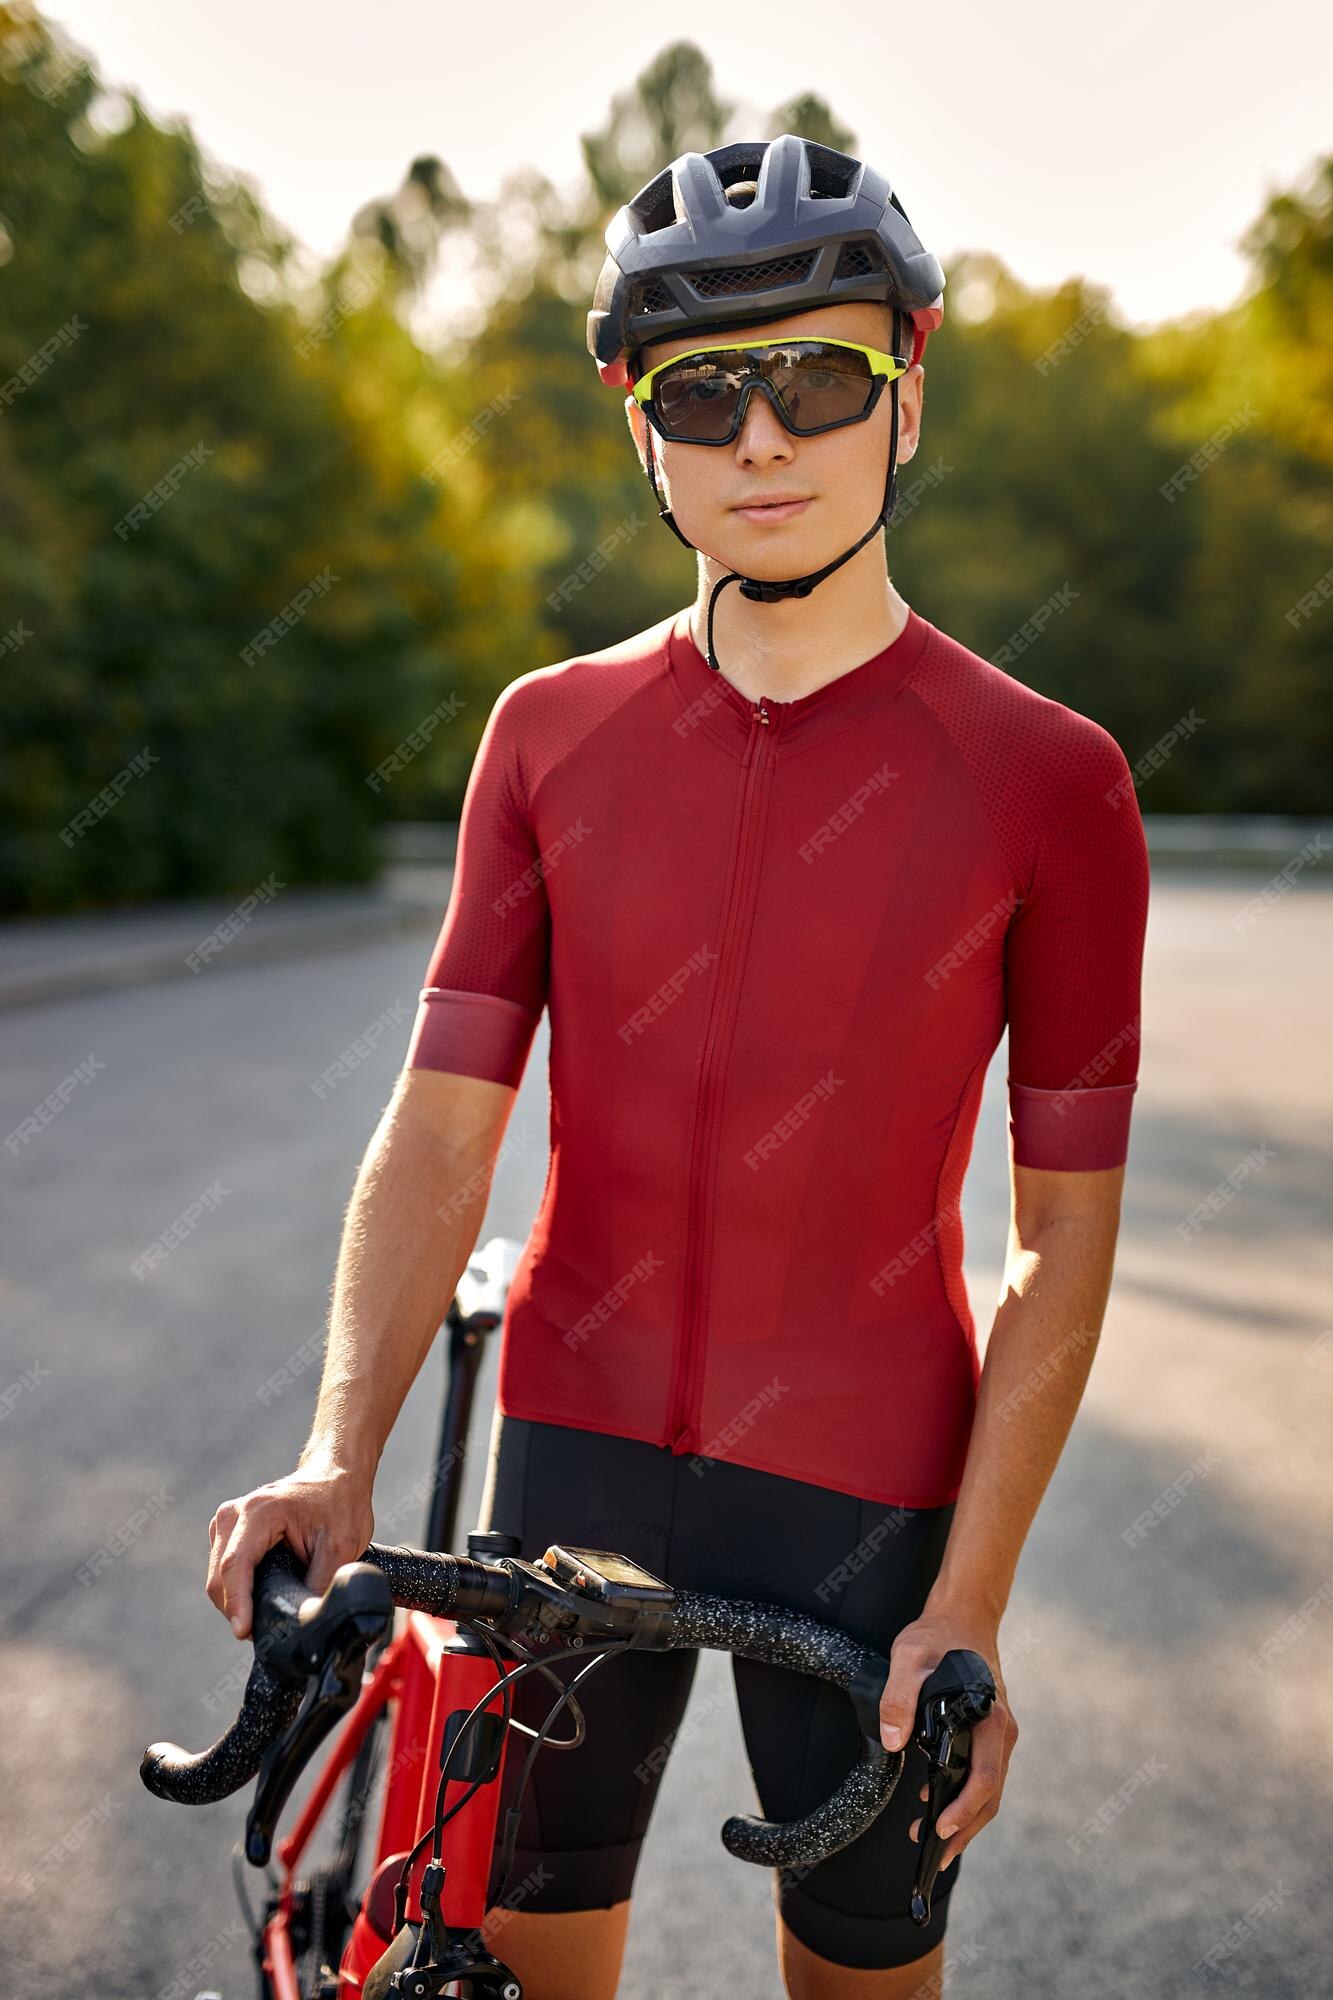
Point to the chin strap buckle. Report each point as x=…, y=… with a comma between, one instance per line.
x=772, y=593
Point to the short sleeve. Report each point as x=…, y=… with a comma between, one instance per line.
x=1074, y=959
x=487, y=977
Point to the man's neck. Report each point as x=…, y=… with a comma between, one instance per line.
x=789, y=648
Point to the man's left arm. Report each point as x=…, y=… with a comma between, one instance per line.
x=1056, y=1281
x=1073, y=964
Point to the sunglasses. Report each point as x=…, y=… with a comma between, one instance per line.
x=814, y=385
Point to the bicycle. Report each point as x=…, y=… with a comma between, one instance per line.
x=440, y=1683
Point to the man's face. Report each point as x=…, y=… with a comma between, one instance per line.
x=839, y=473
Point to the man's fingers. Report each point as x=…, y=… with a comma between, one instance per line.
x=908, y=1668
x=983, y=1785
x=255, y=1533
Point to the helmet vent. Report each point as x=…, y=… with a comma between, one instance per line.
x=651, y=298
x=855, y=260
x=831, y=174
x=749, y=277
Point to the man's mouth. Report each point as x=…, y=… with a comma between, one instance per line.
x=773, y=510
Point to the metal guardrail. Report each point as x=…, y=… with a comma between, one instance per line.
x=1198, y=839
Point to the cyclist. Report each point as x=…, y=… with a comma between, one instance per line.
x=783, y=867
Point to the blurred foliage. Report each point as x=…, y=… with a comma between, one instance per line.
x=452, y=488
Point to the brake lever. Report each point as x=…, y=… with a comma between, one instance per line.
x=328, y=1644
x=958, y=1693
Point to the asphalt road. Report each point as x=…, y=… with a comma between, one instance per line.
x=1173, y=1789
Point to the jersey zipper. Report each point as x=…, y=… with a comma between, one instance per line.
x=766, y=717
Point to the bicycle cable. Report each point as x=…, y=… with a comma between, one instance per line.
x=510, y=1839
x=527, y=1665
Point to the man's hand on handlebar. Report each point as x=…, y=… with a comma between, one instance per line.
x=916, y=1652
x=323, y=1509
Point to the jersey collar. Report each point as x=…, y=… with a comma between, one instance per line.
x=722, y=711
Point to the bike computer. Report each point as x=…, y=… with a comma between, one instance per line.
x=612, y=1579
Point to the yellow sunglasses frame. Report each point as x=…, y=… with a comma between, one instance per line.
x=890, y=366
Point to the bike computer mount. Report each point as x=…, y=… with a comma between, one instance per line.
x=577, y=1593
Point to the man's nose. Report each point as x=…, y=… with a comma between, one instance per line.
x=762, y=430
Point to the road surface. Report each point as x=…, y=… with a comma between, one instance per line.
x=1168, y=1645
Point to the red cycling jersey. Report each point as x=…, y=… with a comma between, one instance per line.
x=779, y=942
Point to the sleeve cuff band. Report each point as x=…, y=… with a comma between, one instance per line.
x=1076, y=1131
x=471, y=1034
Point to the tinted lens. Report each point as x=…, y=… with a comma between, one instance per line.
x=817, y=385
x=820, y=385
x=697, y=398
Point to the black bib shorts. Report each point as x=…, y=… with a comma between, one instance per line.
x=713, y=1526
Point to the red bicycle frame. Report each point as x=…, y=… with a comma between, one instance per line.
x=426, y=1677
x=429, y=1677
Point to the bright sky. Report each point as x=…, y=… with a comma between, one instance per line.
x=1131, y=143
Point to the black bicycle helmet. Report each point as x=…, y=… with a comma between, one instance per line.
x=753, y=232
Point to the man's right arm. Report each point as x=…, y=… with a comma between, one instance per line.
x=411, y=1225
x=420, y=1194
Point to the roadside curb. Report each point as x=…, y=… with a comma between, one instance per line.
x=65, y=959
